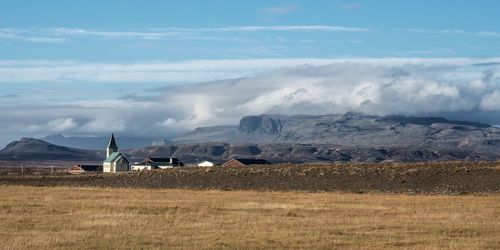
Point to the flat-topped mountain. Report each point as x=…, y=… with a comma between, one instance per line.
x=348, y=137
x=355, y=130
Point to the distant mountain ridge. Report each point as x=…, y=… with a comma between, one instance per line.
x=350, y=129
x=307, y=153
x=278, y=138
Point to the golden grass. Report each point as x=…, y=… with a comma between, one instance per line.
x=103, y=218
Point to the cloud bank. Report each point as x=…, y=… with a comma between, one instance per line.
x=385, y=87
x=460, y=88
x=186, y=71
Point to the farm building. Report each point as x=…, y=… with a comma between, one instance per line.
x=245, y=162
x=115, y=161
x=157, y=163
x=206, y=164
x=78, y=169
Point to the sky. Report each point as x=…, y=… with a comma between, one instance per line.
x=161, y=68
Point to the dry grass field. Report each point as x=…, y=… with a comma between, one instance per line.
x=105, y=218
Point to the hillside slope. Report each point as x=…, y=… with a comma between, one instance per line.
x=34, y=149
x=303, y=153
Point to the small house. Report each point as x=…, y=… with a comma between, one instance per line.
x=245, y=162
x=157, y=163
x=78, y=169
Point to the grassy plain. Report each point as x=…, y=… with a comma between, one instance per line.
x=105, y=218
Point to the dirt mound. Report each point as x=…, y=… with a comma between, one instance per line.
x=439, y=178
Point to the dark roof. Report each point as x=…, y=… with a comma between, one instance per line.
x=112, y=142
x=91, y=167
x=155, y=162
x=253, y=161
x=157, y=159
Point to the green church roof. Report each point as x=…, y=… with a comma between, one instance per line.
x=113, y=157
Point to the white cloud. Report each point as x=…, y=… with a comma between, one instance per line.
x=24, y=36
x=68, y=34
x=304, y=28
x=108, y=124
x=407, y=86
x=362, y=86
x=491, y=102
x=175, y=31
x=184, y=71
x=53, y=126
x=489, y=33
x=485, y=33
x=65, y=34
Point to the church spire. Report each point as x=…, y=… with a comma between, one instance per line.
x=111, y=146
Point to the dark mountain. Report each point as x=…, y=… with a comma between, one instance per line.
x=343, y=138
x=348, y=137
x=34, y=149
x=299, y=153
x=28, y=149
x=100, y=142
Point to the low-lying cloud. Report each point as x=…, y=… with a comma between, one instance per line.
x=380, y=89
x=461, y=88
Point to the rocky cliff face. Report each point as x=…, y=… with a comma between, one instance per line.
x=260, y=125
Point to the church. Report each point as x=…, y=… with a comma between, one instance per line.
x=115, y=161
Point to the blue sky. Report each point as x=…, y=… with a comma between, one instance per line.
x=386, y=29
x=93, y=67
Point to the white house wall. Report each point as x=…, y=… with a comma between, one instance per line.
x=165, y=167
x=106, y=167
x=141, y=167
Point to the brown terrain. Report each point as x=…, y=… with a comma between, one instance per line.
x=135, y=218
x=424, y=178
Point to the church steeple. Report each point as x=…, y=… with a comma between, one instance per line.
x=111, y=146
